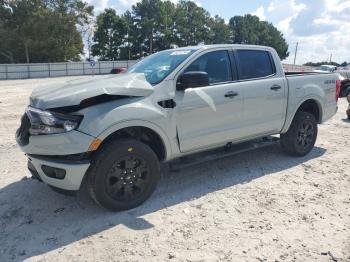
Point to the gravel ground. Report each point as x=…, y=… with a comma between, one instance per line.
x=257, y=206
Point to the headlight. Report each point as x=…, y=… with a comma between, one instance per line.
x=45, y=122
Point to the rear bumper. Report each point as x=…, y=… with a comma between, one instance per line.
x=73, y=172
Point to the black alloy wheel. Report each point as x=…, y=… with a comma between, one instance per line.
x=301, y=136
x=123, y=174
x=305, y=135
x=127, y=178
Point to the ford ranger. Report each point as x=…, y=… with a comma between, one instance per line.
x=115, y=130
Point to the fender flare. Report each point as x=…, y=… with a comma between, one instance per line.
x=139, y=123
x=290, y=118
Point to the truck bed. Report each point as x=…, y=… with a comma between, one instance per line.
x=288, y=74
x=321, y=86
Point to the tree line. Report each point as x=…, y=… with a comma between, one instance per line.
x=53, y=30
x=317, y=64
x=154, y=25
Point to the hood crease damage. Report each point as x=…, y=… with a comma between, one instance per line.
x=84, y=92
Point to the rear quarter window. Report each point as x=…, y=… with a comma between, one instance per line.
x=254, y=64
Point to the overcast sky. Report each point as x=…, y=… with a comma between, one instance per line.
x=322, y=27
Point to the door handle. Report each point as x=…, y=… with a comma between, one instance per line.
x=231, y=94
x=275, y=87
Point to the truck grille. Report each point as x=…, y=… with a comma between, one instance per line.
x=22, y=133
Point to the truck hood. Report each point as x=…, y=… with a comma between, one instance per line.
x=72, y=92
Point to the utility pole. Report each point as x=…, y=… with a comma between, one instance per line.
x=296, y=51
x=89, y=46
x=330, y=58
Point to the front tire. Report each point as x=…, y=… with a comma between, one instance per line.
x=123, y=174
x=301, y=136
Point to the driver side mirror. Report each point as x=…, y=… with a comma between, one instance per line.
x=192, y=79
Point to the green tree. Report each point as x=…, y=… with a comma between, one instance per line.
x=110, y=35
x=316, y=64
x=127, y=50
x=7, y=36
x=220, y=32
x=249, y=29
x=165, y=36
x=19, y=18
x=155, y=25
x=42, y=30
x=192, y=24
x=149, y=18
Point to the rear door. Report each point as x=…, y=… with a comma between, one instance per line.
x=210, y=115
x=264, y=92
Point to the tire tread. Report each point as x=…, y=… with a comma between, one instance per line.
x=287, y=140
x=98, y=161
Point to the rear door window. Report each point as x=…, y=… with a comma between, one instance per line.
x=216, y=64
x=254, y=64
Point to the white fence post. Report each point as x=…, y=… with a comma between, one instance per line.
x=6, y=72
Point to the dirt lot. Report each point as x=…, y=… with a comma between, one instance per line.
x=256, y=206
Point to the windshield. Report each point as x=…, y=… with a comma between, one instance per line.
x=158, y=66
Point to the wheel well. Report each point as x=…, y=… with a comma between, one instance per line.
x=311, y=107
x=143, y=134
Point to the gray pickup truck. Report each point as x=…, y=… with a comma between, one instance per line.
x=115, y=130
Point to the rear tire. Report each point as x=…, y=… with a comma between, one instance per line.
x=123, y=174
x=301, y=136
x=347, y=92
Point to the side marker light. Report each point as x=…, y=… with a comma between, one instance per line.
x=95, y=144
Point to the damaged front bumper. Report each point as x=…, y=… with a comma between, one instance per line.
x=66, y=175
x=59, y=160
x=73, y=142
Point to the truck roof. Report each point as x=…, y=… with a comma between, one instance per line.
x=199, y=47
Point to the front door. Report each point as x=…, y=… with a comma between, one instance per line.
x=210, y=115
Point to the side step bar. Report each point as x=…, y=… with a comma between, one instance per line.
x=222, y=152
